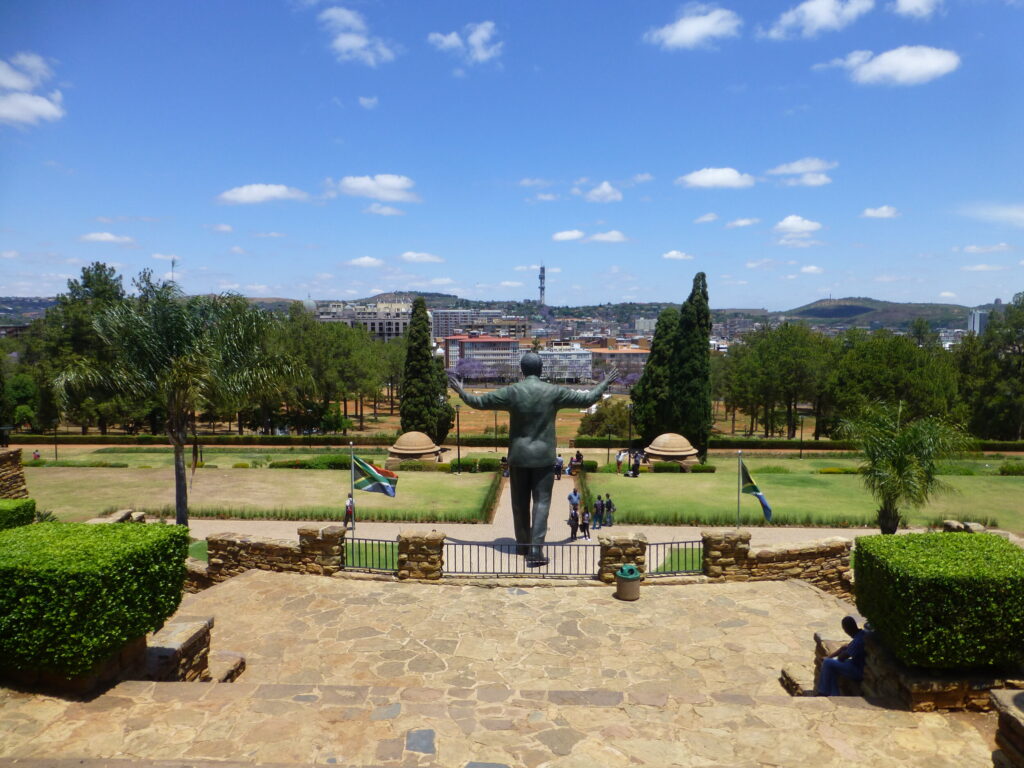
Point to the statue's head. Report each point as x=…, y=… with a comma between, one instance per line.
x=530, y=363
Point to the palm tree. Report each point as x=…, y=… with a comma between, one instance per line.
x=901, y=457
x=184, y=352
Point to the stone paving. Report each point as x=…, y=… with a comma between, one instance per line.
x=353, y=672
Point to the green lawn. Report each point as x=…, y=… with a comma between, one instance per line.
x=687, y=559
x=377, y=555
x=197, y=549
x=76, y=494
x=799, y=497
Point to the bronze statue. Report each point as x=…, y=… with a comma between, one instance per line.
x=532, y=405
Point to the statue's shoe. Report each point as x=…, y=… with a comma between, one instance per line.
x=536, y=562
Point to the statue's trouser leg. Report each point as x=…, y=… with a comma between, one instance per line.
x=543, y=480
x=520, y=489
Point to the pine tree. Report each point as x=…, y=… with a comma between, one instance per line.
x=653, y=408
x=424, y=404
x=691, y=372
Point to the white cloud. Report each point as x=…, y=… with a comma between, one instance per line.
x=9, y=254
x=997, y=248
x=742, y=223
x=365, y=261
x=237, y=250
x=919, y=9
x=677, y=255
x=545, y=197
x=698, y=25
x=814, y=16
x=383, y=210
x=567, y=234
x=603, y=193
x=165, y=256
x=510, y=284
x=22, y=74
x=417, y=257
x=998, y=214
x=810, y=269
x=906, y=65
x=352, y=40
x=708, y=178
x=982, y=268
x=947, y=295
x=257, y=288
x=528, y=182
x=476, y=45
x=441, y=281
x=706, y=218
x=642, y=178
x=106, y=237
x=223, y=228
x=881, y=212
x=260, y=193
x=758, y=263
x=386, y=187
x=271, y=234
x=806, y=172
x=368, y=102
x=795, y=231
x=611, y=236
x=534, y=268
x=808, y=180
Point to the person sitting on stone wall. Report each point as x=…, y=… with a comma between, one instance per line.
x=847, y=661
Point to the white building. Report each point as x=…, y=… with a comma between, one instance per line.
x=978, y=321
x=567, y=362
x=384, y=320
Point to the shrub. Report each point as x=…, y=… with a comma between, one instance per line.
x=240, y=465
x=415, y=465
x=326, y=461
x=838, y=471
x=1012, y=468
x=16, y=512
x=466, y=465
x=487, y=464
x=703, y=469
x=589, y=465
x=444, y=466
x=774, y=469
x=944, y=600
x=74, y=593
x=665, y=466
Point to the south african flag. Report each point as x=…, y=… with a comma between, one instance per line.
x=749, y=486
x=373, y=479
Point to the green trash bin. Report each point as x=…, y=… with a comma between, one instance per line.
x=627, y=582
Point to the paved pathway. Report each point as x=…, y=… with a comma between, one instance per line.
x=358, y=673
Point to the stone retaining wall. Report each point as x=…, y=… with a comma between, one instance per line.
x=1010, y=733
x=319, y=551
x=12, y=475
x=180, y=650
x=824, y=563
x=420, y=554
x=619, y=549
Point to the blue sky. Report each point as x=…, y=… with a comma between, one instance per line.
x=789, y=150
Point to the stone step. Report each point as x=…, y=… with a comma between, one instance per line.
x=798, y=679
x=226, y=666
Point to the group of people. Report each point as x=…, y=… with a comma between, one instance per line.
x=575, y=464
x=632, y=461
x=580, y=522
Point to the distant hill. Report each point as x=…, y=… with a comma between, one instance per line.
x=22, y=310
x=863, y=311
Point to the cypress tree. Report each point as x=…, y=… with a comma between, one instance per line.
x=691, y=379
x=653, y=407
x=424, y=387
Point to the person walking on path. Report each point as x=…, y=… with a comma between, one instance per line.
x=574, y=500
x=598, y=512
x=636, y=464
x=532, y=405
x=609, y=510
x=585, y=524
x=574, y=523
x=350, y=512
x=559, y=463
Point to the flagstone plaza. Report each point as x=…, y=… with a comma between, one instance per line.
x=358, y=672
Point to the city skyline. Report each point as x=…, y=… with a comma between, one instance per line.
x=789, y=150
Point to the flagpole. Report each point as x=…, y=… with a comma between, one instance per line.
x=739, y=484
x=352, y=480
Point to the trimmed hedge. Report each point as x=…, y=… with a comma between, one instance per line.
x=465, y=465
x=488, y=464
x=73, y=594
x=944, y=600
x=704, y=469
x=327, y=461
x=1012, y=468
x=838, y=471
x=670, y=467
x=16, y=512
